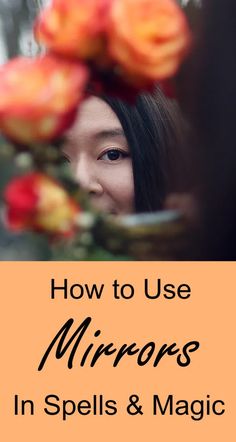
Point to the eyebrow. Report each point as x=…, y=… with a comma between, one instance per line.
x=108, y=133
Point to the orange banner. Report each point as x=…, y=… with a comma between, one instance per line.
x=117, y=351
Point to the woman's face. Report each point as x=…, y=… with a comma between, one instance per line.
x=100, y=159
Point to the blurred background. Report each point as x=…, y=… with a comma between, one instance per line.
x=17, y=16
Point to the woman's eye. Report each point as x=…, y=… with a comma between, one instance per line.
x=113, y=155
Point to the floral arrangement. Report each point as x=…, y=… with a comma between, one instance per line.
x=120, y=47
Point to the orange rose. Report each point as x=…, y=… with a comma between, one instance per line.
x=39, y=97
x=35, y=201
x=74, y=28
x=148, y=39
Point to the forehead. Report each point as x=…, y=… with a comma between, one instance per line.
x=94, y=116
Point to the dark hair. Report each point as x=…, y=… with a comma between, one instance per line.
x=152, y=127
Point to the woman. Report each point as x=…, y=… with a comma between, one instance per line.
x=125, y=155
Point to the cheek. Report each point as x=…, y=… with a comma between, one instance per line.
x=118, y=183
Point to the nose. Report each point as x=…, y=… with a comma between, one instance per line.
x=87, y=177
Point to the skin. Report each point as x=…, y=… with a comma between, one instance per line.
x=100, y=159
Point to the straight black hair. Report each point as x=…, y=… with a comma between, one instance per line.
x=152, y=127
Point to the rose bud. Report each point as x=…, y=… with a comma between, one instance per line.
x=39, y=97
x=37, y=202
x=148, y=39
x=74, y=28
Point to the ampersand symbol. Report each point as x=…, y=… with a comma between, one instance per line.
x=133, y=408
